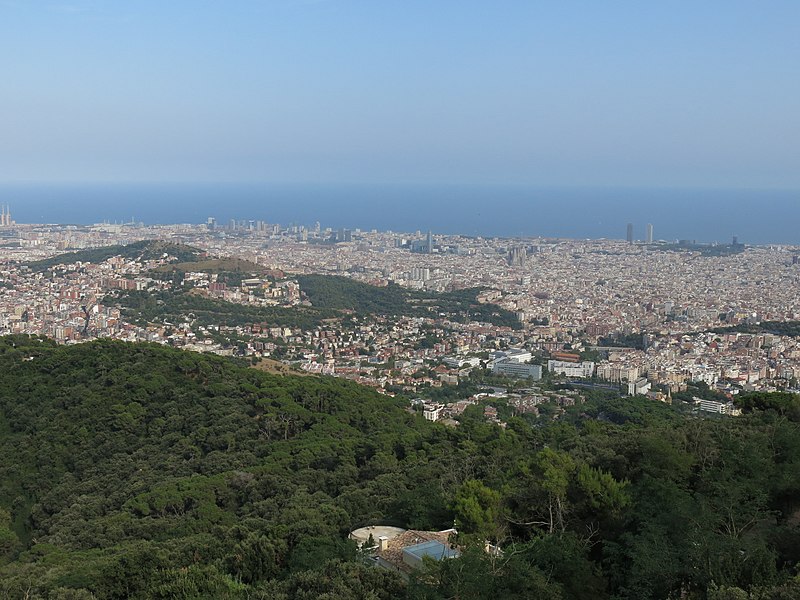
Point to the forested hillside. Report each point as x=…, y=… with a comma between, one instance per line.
x=138, y=471
x=343, y=293
x=174, y=305
x=143, y=250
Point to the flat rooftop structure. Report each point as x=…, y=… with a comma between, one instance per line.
x=362, y=534
x=405, y=552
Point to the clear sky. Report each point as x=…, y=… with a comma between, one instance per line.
x=602, y=92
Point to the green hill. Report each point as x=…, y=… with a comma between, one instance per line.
x=122, y=465
x=143, y=250
x=175, y=305
x=329, y=295
x=139, y=471
x=343, y=293
x=216, y=265
x=791, y=328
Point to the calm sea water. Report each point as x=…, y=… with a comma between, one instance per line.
x=756, y=217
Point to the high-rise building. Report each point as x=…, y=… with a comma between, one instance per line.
x=517, y=256
x=420, y=274
x=430, y=242
x=629, y=236
x=649, y=233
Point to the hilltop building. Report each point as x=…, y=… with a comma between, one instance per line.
x=639, y=387
x=720, y=408
x=404, y=551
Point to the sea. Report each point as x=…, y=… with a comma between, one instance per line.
x=701, y=215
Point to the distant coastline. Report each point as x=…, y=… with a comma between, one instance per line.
x=756, y=217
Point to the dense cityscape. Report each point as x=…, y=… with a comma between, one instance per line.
x=647, y=317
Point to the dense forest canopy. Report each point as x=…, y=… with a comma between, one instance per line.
x=139, y=471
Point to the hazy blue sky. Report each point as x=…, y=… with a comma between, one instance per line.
x=630, y=93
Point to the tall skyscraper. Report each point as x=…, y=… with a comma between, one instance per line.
x=629, y=237
x=649, y=233
x=430, y=242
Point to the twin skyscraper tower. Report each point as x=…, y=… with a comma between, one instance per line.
x=5, y=216
x=648, y=238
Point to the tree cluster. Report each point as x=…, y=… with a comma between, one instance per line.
x=139, y=471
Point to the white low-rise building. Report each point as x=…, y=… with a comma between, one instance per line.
x=722, y=408
x=569, y=369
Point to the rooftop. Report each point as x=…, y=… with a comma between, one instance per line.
x=433, y=549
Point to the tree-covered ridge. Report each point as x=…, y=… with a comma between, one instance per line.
x=791, y=328
x=143, y=250
x=213, y=265
x=138, y=471
x=176, y=305
x=343, y=293
x=123, y=457
x=331, y=297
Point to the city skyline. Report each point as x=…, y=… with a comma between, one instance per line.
x=506, y=211
x=342, y=233
x=417, y=240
